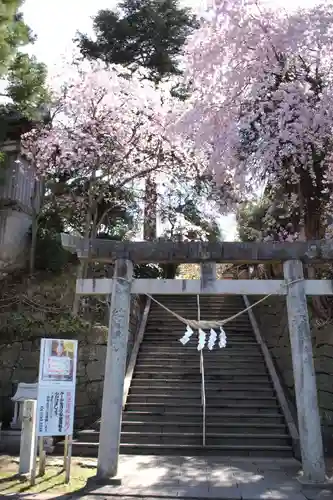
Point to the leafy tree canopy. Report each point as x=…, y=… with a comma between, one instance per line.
x=141, y=33
x=261, y=106
x=22, y=75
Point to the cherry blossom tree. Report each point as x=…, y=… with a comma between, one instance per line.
x=109, y=129
x=261, y=107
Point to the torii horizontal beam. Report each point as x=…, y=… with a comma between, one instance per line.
x=195, y=287
x=141, y=252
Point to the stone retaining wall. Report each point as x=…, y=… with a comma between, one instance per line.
x=271, y=316
x=19, y=363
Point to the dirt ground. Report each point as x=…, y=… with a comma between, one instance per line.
x=52, y=482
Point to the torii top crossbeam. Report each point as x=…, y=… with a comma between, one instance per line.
x=148, y=252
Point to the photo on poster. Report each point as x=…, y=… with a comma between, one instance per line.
x=58, y=360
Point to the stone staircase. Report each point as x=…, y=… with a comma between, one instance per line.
x=163, y=413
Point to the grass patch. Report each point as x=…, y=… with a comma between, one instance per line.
x=52, y=482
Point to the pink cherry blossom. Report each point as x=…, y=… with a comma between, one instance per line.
x=109, y=124
x=262, y=103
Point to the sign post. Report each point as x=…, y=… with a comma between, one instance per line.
x=28, y=437
x=56, y=392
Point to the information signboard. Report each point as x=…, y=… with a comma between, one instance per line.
x=55, y=411
x=56, y=387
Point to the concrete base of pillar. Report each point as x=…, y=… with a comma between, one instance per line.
x=107, y=481
x=23, y=477
x=326, y=485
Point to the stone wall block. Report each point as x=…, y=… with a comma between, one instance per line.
x=19, y=362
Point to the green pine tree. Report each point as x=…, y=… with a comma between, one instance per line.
x=22, y=76
x=142, y=33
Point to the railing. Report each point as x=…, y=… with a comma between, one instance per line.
x=203, y=388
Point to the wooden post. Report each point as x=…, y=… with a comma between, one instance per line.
x=68, y=459
x=304, y=375
x=65, y=452
x=42, y=458
x=115, y=365
x=28, y=437
x=34, y=461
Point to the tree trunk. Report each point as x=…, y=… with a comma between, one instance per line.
x=313, y=229
x=38, y=188
x=169, y=270
x=150, y=210
x=83, y=266
x=32, y=256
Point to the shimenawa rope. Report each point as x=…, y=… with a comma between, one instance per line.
x=202, y=324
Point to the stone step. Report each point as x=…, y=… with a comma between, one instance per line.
x=175, y=350
x=176, y=325
x=211, y=314
x=182, y=352
x=163, y=340
x=211, y=358
x=225, y=367
x=83, y=449
x=193, y=344
x=196, y=406
x=167, y=384
x=206, y=298
x=219, y=417
x=185, y=303
x=221, y=375
x=221, y=400
x=195, y=438
x=169, y=319
x=196, y=427
x=209, y=391
x=193, y=311
x=171, y=335
x=164, y=414
x=213, y=439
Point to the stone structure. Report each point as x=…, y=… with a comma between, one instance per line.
x=295, y=287
x=20, y=197
x=271, y=316
x=19, y=363
x=24, y=393
x=20, y=190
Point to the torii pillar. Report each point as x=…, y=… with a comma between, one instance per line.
x=115, y=366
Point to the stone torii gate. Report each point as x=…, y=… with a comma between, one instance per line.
x=294, y=287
